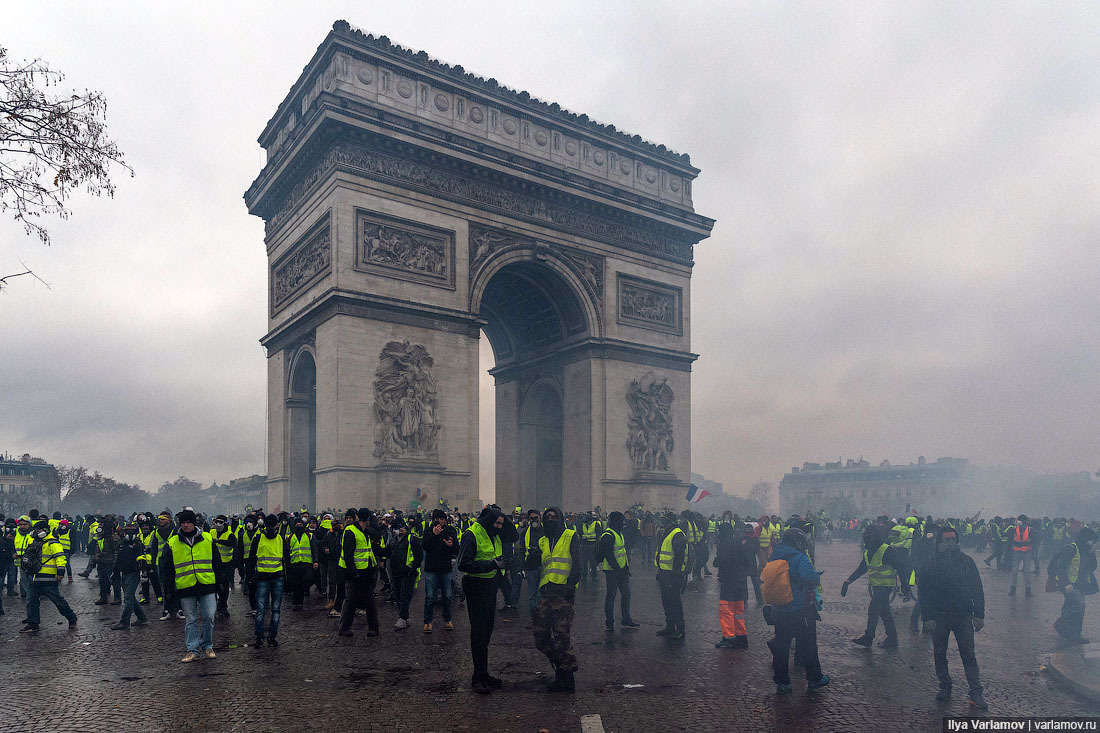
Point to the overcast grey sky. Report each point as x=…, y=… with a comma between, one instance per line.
x=906, y=259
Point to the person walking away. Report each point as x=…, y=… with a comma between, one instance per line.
x=129, y=562
x=615, y=563
x=953, y=602
x=735, y=560
x=481, y=560
x=43, y=561
x=673, y=563
x=190, y=567
x=881, y=562
x=795, y=620
x=269, y=559
x=440, y=546
x=1072, y=572
x=361, y=552
x=1020, y=544
x=560, y=559
x=406, y=557
x=996, y=541
x=300, y=547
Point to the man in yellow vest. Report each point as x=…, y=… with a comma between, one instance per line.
x=1072, y=571
x=616, y=570
x=361, y=552
x=590, y=530
x=190, y=566
x=673, y=560
x=22, y=539
x=49, y=560
x=881, y=562
x=267, y=563
x=559, y=558
x=225, y=541
x=481, y=560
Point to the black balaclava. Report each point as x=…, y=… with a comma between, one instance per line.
x=271, y=526
x=616, y=520
x=553, y=529
x=488, y=518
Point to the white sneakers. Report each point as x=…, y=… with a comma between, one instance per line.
x=401, y=624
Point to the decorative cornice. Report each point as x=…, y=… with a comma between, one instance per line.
x=607, y=349
x=390, y=162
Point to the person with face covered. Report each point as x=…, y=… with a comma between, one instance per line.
x=158, y=549
x=406, y=557
x=881, y=563
x=129, y=563
x=249, y=530
x=674, y=562
x=225, y=541
x=481, y=560
x=43, y=579
x=269, y=559
x=362, y=551
x=615, y=563
x=735, y=559
x=560, y=558
x=302, y=565
x=106, y=550
x=952, y=602
x=1072, y=572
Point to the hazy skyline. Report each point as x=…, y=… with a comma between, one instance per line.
x=905, y=259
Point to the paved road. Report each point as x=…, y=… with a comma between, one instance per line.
x=103, y=680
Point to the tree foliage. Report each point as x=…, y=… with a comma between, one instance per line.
x=180, y=493
x=84, y=492
x=761, y=493
x=50, y=144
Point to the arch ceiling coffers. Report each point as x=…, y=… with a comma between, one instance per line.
x=548, y=281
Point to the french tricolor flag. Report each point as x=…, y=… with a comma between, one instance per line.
x=695, y=494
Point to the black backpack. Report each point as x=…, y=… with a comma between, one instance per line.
x=31, y=562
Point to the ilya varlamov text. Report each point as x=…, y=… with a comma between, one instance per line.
x=970, y=724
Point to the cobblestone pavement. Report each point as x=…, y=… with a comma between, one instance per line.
x=95, y=679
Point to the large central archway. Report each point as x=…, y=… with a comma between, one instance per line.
x=532, y=314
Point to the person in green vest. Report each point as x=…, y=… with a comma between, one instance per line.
x=615, y=564
x=268, y=561
x=590, y=530
x=559, y=560
x=481, y=560
x=1072, y=571
x=362, y=551
x=42, y=580
x=674, y=562
x=302, y=562
x=225, y=541
x=881, y=563
x=190, y=566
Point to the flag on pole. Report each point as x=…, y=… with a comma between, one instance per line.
x=695, y=494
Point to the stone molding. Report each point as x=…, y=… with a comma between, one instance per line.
x=606, y=349
x=507, y=195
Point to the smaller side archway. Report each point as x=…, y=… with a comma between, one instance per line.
x=301, y=435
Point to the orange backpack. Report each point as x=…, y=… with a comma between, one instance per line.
x=777, y=583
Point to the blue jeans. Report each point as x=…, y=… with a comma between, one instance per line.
x=198, y=641
x=269, y=590
x=130, y=604
x=46, y=589
x=442, y=583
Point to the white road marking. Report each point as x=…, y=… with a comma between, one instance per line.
x=591, y=724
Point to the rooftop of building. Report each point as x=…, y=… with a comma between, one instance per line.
x=860, y=465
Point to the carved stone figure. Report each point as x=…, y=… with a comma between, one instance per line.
x=405, y=400
x=650, y=441
x=386, y=245
x=310, y=257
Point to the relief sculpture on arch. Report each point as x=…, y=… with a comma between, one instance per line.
x=649, y=423
x=405, y=401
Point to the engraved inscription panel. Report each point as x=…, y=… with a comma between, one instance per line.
x=651, y=305
x=308, y=259
x=404, y=249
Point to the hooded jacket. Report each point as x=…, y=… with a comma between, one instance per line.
x=949, y=583
x=804, y=579
x=534, y=556
x=467, y=549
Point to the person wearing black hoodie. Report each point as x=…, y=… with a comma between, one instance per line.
x=953, y=602
x=561, y=557
x=406, y=557
x=882, y=563
x=440, y=545
x=735, y=560
x=361, y=576
x=481, y=560
x=129, y=563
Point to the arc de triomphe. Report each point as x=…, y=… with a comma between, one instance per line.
x=409, y=206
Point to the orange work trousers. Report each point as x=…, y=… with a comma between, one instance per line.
x=731, y=614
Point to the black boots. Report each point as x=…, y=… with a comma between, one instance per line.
x=563, y=682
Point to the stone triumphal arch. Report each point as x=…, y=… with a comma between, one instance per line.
x=409, y=206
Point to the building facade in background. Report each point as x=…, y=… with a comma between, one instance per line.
x=27, y=482
x=940, y=488
x=240, y=493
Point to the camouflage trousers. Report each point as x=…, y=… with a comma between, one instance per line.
x=551, y=623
